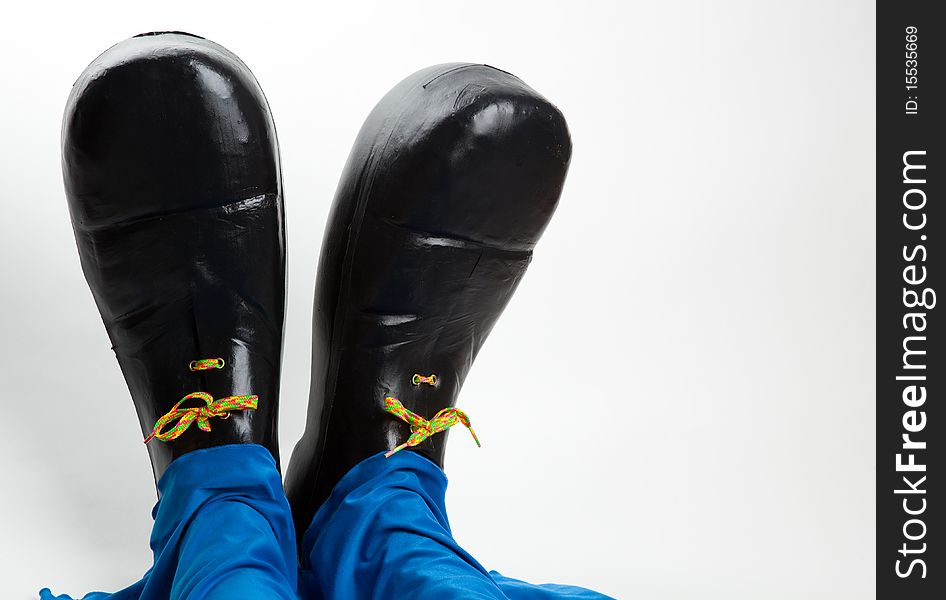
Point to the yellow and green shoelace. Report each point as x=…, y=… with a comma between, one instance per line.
x=421, y=428
x=201, y=414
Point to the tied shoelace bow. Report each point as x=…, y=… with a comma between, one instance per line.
x=201, y=414
x=421, y=428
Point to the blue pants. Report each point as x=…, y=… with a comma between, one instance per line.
x=223, y=529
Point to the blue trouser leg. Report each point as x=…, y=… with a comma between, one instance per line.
x=383, y=533
x=222, y=529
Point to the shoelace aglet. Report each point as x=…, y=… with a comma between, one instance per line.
x=398, y=449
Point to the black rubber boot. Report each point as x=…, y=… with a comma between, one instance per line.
x=453, y=178
x=171, y=168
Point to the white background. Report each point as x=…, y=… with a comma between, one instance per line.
x=678, y=402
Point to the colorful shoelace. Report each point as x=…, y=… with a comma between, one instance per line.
x=421, y=428
x=201, y=414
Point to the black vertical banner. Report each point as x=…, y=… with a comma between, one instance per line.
x=911, y=242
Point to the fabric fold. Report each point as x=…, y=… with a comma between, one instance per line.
x=383, y=533
x=222, y=529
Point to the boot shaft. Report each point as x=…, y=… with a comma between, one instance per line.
x=171, y=170
x=451, y=182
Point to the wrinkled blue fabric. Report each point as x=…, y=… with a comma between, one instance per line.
x=383, y=533
x=223, y=529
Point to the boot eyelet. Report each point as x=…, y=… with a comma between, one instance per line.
x=206, y=364
x=418, y=379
